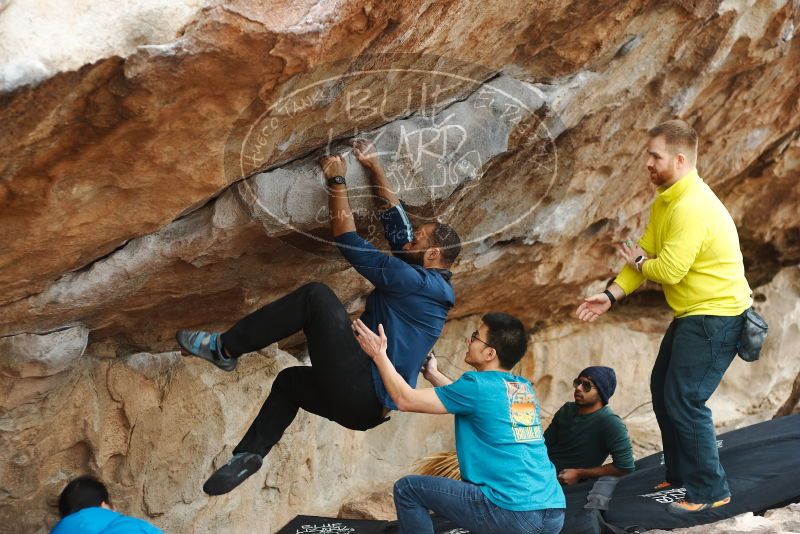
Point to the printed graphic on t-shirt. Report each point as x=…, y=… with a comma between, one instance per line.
x=524, y=415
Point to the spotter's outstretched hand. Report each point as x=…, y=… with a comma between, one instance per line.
x=373, y=344
x=593, y=307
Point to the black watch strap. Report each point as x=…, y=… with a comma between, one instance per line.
x=610, y=296
x=335, y=180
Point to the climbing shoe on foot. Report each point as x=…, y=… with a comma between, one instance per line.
x=230, y=475
x=686, y=507
x=205, y=345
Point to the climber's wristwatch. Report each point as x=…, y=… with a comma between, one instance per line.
x=336, y=180
x=639, y=261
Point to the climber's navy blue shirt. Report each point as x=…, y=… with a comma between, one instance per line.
x=411, y=302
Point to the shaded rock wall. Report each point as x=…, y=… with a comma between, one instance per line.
x=163, y=175
x=154, y=426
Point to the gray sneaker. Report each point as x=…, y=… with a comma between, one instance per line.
x=205, y=345
x=230, y=475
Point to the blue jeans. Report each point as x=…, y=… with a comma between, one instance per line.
x=695, y=353
x=465, y=505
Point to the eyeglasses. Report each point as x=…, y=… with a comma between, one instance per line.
x=585, y=385
x=475, y=337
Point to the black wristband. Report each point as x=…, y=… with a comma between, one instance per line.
x=610, y=296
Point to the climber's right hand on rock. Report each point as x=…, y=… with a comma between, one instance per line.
x=593, y=307
x=333, y=166
x=366, y=154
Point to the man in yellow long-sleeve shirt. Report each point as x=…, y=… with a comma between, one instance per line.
x=691, y=248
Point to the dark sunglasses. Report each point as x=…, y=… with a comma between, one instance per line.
x=475, y=337
x=585, y=385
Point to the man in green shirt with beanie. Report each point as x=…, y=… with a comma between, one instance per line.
x=585, y=432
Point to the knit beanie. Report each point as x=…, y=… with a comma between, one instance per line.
x=604, y=378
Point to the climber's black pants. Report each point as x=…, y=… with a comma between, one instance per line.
x=338, y=385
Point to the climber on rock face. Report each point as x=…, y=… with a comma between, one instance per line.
x=691, y=247
x=508, y=483
x=412, y=295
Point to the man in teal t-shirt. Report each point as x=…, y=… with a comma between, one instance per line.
x=508, y=482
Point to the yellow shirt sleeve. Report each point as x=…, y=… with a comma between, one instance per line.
x=685, y=236
x=629, y=279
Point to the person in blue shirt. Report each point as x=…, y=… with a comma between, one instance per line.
x=508, y=483
x=412, y=296
x=85, y=508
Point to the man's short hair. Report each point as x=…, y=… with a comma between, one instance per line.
x=679, y=135
x=507, y=336
x=82, y=492
x=445, y=237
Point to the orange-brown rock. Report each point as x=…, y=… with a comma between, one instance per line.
x=160, y=172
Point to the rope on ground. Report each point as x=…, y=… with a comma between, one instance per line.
x=632, y=411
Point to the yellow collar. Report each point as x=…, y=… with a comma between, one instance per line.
x=677, y=189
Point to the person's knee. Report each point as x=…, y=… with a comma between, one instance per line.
x=399, y=487
x=680, y=410
x=321, y=298
x=319, y=295
x=402, y=489
x=317, y=290
x=286, y=379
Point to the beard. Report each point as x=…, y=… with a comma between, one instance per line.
x=656, y=178
x=414, y=257
x=659, y=178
